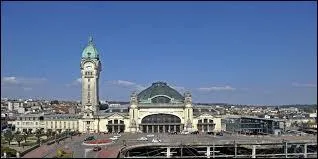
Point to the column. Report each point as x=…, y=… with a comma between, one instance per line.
x=305, y=150
x=286, y=149
x=168, y=152
x=213, y=151
x=164, y=128
x=169, y=128
x=253, y=151
x=113, y=128
x=175, y=128
x=235, y=149
x=147, y=127
x=118, y=128
x=153, y=129
x=208, y=152
x=208, y=127
x=158, y=128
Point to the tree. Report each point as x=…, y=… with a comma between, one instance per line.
x=19, y=138
x=10, y=152
x=8, y=136
x=38, y=134
x=49, y=133
x=54, y=134
x=25, y=136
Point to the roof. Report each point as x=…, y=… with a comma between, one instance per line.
x=159, y=89
x=90, y=51
x=257, y=118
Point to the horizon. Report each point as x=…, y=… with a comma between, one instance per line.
x=14, y=99
x=248, y=53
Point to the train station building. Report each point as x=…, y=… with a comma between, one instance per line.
x=157, y=109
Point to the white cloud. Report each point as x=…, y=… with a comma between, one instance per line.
x=295, y=84
x=79, y=80
x=215, y=88
x=127, y=84
x=21, y=81
x=76, y=82
x=123, y=83
x=9, y=80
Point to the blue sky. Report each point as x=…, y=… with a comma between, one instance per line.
x=233, y=52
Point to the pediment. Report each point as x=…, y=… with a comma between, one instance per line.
x=205, y=115
x=116, y=116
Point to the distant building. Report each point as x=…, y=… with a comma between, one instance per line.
x=73, y=110
x=10, y=106
x=21, y=110
x=255, y=125
x=313, y=115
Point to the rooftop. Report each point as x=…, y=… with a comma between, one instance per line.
x=160, y=89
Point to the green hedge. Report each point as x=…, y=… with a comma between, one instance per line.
x=3, y=141
x=58, y=139
x=9, y=151
x=28, y=144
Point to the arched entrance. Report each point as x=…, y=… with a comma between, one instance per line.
x=161, y=123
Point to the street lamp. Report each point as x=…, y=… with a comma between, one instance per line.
x=55, y=138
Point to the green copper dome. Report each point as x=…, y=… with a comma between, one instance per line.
x=90, y=51
x=159, y=89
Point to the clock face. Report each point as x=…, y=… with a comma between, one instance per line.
x=88, y=66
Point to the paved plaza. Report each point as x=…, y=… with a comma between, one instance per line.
x=129, y=139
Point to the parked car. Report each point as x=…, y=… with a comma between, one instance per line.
x=185, y=132
x=210, y=133
x=90, y=138
x=118, y=136
x=142, y=139
x=156, y=140
x=219, y=134
x=173, y=132
x=97, y=148
x=113, y=138
x=195, y=132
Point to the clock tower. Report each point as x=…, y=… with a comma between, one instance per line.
x=90, y=71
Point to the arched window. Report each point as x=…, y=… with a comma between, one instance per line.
x=160, y=99
x=161, y=118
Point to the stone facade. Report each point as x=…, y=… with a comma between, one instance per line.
x=90, y=70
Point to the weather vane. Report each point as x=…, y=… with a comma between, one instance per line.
x=90, y=39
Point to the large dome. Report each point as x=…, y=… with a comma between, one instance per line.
x=159, y=89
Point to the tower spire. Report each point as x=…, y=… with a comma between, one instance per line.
x=90, y=40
